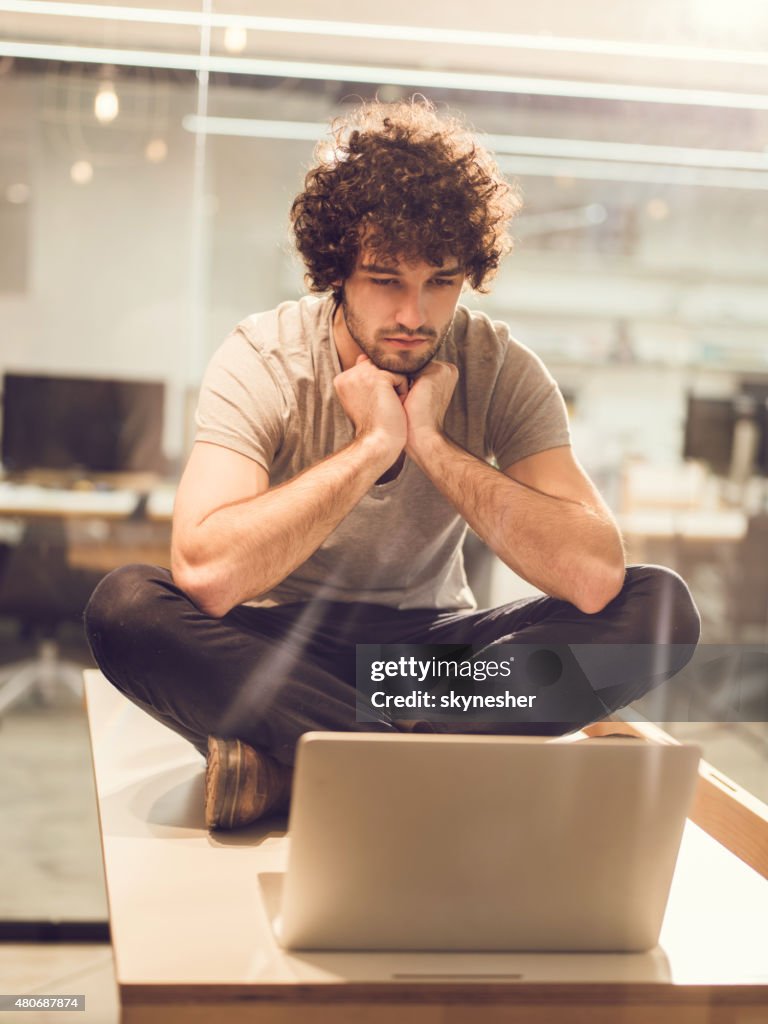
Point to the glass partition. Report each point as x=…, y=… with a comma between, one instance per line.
x=147, y=167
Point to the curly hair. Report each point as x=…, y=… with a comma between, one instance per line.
x=414, y=185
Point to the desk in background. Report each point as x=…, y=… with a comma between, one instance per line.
x=690, y=525
x=37, y=500
x=104, y=528
x=685, y=539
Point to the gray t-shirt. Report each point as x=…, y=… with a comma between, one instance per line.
x=268, y=393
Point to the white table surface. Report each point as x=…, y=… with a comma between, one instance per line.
x=702, y=524
x=34, y=499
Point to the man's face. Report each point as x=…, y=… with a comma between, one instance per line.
x=397, y=313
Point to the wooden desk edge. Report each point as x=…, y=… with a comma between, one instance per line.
x=440, y=1003
x=726, y=811
x=482, y=991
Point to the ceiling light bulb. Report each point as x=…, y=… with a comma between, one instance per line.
x=235, y=38
x=156, y=150
x=81, y=172
x=106, y=106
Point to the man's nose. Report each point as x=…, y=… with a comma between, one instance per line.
x=411, y=312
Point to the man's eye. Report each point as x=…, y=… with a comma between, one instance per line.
x=383, y=280
x=443, y=282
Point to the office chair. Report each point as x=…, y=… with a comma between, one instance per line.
x=40, y=591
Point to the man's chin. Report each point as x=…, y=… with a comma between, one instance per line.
x=402, y=362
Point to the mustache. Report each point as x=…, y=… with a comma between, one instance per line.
x=399, y=332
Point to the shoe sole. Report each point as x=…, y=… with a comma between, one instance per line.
x=222, y=781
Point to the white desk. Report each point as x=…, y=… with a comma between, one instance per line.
x=160, y=502
x=703, y=525
x=33, y=499
x=193, y=942
x=102, y=531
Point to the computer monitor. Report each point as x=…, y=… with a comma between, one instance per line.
x=709, y=427
x=82, y=424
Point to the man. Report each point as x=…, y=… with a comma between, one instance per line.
x=344, y=444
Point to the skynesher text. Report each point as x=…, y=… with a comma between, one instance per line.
x=451, y=700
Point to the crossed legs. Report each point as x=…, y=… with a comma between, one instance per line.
x=267, y=675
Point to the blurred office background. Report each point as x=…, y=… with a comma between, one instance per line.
x=148, y=158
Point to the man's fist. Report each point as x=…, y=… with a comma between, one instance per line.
x=428, y=400
x=373, y=400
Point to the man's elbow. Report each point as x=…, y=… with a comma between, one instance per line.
x=202, y=588
x=599, y=590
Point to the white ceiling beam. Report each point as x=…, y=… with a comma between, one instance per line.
x=397, y=33
x=408, y=77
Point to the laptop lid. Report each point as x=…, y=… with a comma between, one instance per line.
x=435, y=842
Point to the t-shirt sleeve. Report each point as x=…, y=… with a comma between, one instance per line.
x=527, y=413
x=241, y=404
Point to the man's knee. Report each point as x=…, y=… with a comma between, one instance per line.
x=659, y=626
x=122, y=601
x=664, y=611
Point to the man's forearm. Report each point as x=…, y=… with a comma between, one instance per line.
x=244, y=549
x=565, y=548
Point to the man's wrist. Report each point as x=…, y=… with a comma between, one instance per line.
x=378, y=447
x=425, y=445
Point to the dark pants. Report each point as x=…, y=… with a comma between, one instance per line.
x=267, y=675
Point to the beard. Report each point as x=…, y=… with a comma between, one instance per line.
x=385, y=356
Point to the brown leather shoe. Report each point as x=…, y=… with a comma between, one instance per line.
x=242, y=784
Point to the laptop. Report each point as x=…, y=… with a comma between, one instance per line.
x=447, y=842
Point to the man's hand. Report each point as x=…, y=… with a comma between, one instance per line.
x=426, y=404
x=372, y=398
